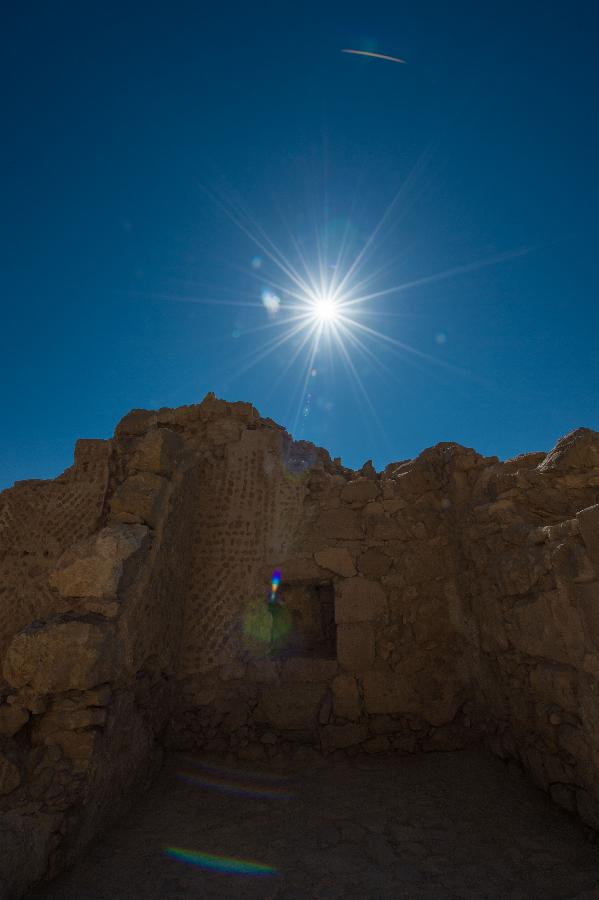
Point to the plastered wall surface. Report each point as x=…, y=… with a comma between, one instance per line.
x=447, y=600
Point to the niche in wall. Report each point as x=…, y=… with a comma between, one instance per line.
x=304, y=622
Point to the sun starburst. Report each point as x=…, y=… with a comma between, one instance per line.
x=318, y=297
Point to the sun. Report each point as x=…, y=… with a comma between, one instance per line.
x=324, y=307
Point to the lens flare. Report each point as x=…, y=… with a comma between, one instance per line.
x=274, y=584
x=227, y=864
x=224, y=786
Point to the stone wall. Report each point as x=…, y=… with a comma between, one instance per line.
x=447, y=600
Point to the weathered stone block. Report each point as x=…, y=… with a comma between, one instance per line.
x=138, y=421
x=62, y=653
x=232, y=671
x=158, y=452
x=355, y=646
x=343, y=524
x=138, y=499
x=324, y=713
x=262, y=670
x=588, y=808
x=383, y=724
x=564, y=795
x=293, y=707
x=587, y=596
x=94, y=567
x=374, y=508
x=533, y=628
x=359, y=600
x=577, y=450
x=588, y=520
x=384, y=693
x=12, y=719
x=555, y=683
x=24, y=856
x=336, y=559
x=302, y=569
x=572, y=563
x=63, y=720
x=374, y=563
x=299, y=668
x=384, y=528
x=77, y=746
x=434, y=699
x=223, y=431
x=337, y=737
x=10, y=777
x=360, y=490
x=380, y=743
x=346, y=697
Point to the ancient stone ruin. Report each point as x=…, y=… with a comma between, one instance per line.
x=449, y=600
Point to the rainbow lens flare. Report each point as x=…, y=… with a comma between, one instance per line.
x=226, y=864
x=274, y=584
x=236, y=790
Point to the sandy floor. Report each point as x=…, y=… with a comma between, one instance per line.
x=440, y=825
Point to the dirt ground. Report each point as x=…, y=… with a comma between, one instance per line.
x=429, y=827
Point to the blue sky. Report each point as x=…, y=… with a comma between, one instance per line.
x=131, y=133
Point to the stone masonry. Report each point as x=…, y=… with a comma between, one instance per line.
x=447, y=601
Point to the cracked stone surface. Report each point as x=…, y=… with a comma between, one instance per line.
x=439, y=826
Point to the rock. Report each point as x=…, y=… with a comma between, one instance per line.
x=223, y=431
x=336, y=559
x=23, y=860
x=572, y=563
x=301, y=569
x=564, y=795
x=299, y=668
x=378, y=744
x=588, y=520
x=355, y=646
x=343, y=524
x=326, y=708
x=374, y=508
x=577, y=450
x=292, y=707
x=252, y=753
x=374, y=563
x=98, y=696
x=158, y=452
x=233, y=671
x=433, y=697
x=139, y=499
x=10, y=777
x=337, y=737
x=94, y=567
x=77, y=746
x=29, y=699
x=346, y=697
x=450, y=578
x=359, y=491
x=12, y=719
x=68, y=720
x=587, y=596
x=587, y=807
x=263, y=670
x=359, y=600
x=63, y=653
x=138, y=421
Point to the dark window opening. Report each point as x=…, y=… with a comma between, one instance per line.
x=303, y=622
